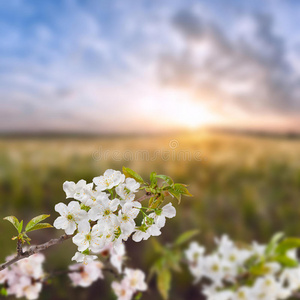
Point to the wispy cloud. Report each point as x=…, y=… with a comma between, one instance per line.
x=251, y=71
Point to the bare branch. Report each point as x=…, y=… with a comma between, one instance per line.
x=35, y=249
x=19, y=247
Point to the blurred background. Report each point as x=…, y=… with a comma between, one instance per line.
x=207, y=92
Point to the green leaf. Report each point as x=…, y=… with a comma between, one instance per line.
x=180, y=188
x=130, y=173
x=285, y=261
x=13, y=220
x=3, y=291
x=186, y=236
x=138, y=296
x=258, y=270
x=155, y=202
x=164, y=283
x=157, y=246
x=86, y=252
x=35, y=221
x=287, y=244
x=173, y=259
x=166, y=178
x=153, y=179
x=176, y=194
x=273, y=243
x=20, y=227
x=40, y=226
x=251, y=261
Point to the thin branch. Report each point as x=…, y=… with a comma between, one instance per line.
x=57, y=273
x=296, y=295
x=35, y=249
x=112, y=271
x=147, y=196
x=19, y=247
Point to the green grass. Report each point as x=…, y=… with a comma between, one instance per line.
x=248, y=187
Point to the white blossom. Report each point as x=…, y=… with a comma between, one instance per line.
x=126, y=218
x=160, y=215
x=122, y=291
x=135, y=279
x=72, y=189
x=23, y=279
x=117, y=256
x=145, y=231
x=87, y=238
x=110, y=179
x=84, y=258
x=127, y=190
x=87, y=273
x=228, y=262
x=71, y=215
x=104, y=209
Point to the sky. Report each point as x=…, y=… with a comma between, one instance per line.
x=125, y=66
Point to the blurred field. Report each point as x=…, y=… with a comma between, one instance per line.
x=248, y=187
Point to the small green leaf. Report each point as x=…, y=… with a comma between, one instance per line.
x=166, y=178
x=156, y=202
x=153, y=179
x=138, y=296
x=173, y=259
x=273, y=243
x=3, y=291
x=258, y=270
x=180, y=188
x=40, y=226
x=164, y=283
x=20, y=227
x=13, y=220
x=287, y=244
x=35, y=221
x=176, y=194
x=86, y=252
x=130, y=173
x=285, y=261
x=186, y=236
x=251, y=261
x=157, y=246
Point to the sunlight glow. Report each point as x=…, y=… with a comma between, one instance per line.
x=179, y=109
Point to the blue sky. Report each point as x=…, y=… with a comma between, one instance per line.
x=133, y=65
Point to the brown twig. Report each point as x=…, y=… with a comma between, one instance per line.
x=19, y=247
x=296, y=295
x=34, y=249
x=147, y=196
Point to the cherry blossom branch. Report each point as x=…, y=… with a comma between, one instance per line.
x=33, y=250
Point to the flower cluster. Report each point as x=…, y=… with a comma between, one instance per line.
x=247, y=273
x=24, y=278
x=85, y=274
x=133, y=281
x=104, y=213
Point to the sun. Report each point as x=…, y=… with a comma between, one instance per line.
x=191, y=115
x=182, y=110
x=176, y=108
